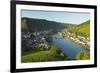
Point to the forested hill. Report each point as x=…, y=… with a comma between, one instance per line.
x=32, y=24
x=82, y=29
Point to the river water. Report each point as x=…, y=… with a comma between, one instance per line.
x=68, y=47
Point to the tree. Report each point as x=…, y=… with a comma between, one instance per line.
x=24, y=24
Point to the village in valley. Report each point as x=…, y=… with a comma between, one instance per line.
x=36, y=38
x=83, y=41
x=40, y=47
x=54, y=38
x=39, y=38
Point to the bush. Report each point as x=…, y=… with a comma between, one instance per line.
x=83, y=56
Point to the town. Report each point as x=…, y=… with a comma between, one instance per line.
x=36, y=38
x=76, y=38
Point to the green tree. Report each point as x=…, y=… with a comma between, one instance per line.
x=24, y=24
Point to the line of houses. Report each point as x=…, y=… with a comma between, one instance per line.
x=77, y=38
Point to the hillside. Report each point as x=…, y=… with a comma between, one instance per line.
x=30, y=24
x=82, y=29
x=41, y=55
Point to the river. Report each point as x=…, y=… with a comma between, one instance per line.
x=68, y=47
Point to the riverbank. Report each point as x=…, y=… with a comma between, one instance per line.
x=69, y=48
x=81, y=54
x=73, y=38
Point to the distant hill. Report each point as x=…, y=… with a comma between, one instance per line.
x=32, y=24
x=82, y=29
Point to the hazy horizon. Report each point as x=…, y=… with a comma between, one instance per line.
x=57, y=16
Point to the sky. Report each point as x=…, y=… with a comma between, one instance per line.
x=58, y=16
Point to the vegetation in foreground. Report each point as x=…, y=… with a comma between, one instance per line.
x=42, y=55
x=83, y=56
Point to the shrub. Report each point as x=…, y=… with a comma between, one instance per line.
x=83, y=56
